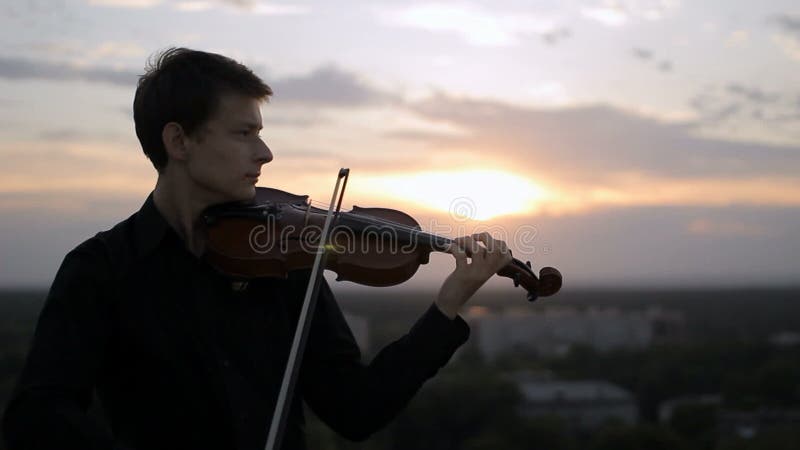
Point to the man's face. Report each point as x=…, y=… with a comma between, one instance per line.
x=224, y=160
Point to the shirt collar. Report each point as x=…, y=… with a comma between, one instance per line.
x=151, y=227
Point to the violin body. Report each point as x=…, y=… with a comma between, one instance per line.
x=279, y=232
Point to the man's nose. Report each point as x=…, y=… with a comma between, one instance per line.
x=264, y=153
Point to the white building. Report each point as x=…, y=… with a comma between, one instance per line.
x=553, y=331
x=583, y=404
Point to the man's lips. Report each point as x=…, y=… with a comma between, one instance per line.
x=252, y=177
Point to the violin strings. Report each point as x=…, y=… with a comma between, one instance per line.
x=370, y=219
x=399, y=226
x=418, y=232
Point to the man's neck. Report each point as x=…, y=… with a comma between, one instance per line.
x=181, y=207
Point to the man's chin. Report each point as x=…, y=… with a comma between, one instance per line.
x=247, y=194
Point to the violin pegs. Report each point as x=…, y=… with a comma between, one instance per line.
x=516, y=280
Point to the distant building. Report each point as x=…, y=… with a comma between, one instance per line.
x=583, y=404
x=667, y=408
x=553, y=331
x=748, y=424
x=785, y=339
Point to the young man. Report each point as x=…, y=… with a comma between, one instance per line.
x=180, y=359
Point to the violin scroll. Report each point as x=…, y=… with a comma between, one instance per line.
x=546, y=284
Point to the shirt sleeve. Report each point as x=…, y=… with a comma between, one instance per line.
x=48, y=408
x=355, y=399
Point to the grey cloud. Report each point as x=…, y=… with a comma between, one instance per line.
x=62, y=135
x=587, y=143
x=239, y=3
x=328, y=86
x=414, y=135
x=737, y=100
x=21, y=69
x=647, y=55
x=642, y=53
x=788, y=22
x=555, y=36
x=627, y=251
x=76, y=135
x=752, y=94
x=296, y=122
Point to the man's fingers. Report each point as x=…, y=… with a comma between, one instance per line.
x=492, y=244
x=459, y=254
x=496, y=248
x=468, y=244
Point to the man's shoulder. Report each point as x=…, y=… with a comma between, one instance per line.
x=109, y=246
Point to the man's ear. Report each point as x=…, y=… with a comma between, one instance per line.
x=174, y=139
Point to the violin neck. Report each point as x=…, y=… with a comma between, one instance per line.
x=403, y=234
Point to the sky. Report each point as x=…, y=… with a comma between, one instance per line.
x=627, y=143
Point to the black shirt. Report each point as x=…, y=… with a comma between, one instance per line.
x=181, y=358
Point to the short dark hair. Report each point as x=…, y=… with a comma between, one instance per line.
x=184, y=86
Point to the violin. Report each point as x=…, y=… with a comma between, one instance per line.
x=278, y=232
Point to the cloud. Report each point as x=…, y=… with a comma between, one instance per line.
x=250, y=6
x=138, y=4
x=789, y=23
x=74, y=135
x=705, y=226
x=646, y=55
x=610, y=152
x=14, y=68
x=616, y=13
x=325, y=86
x=737, y=38
x=789, y=45
x=672, y=245
x=752, y=94
x=642, y=53
x=737, y=103
x=612, y=16
x=476, y=25
x=788, y=41
x=555, y=36
x=328, y=86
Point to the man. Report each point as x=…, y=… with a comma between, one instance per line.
x=177, y=356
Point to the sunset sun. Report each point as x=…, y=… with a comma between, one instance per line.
x=467, y=194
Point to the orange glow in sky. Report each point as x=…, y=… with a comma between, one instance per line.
x=466, y=194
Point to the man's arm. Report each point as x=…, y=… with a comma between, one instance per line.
x=357, y=400
x=49, y=406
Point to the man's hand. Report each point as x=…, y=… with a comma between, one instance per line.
x=486, y=260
